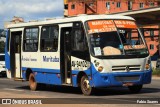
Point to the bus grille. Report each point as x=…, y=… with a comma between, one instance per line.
x=126, y=68
x=127, y=78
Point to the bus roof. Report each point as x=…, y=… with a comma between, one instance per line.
x=82, y=18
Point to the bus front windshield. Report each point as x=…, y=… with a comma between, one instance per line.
x=115, y=37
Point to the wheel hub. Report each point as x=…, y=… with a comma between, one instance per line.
x=86, y=84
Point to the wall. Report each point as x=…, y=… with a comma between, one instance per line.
x=100, y=6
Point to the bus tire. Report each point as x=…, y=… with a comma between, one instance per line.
x=85, y=86
x=135, y=88
x=32, y=82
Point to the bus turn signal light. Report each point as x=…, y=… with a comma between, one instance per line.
x=100, y=68
x=147, y=66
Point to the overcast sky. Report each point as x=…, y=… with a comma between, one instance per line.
x=30, y=9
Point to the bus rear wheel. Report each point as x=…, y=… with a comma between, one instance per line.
x=32, y=82
x=135, y=88
x=85, y=86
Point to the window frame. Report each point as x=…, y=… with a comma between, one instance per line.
x=151, y=4
x=141, y=5
x=73, y=6
x=42, y=50
x=118, y=5
x=130, y=5
x=152, y=33
x=108, y=5
x=24, y=35
x=151, y=46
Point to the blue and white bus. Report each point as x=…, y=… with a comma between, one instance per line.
x=87, y=51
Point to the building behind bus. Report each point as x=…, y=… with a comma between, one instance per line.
x=151, y=32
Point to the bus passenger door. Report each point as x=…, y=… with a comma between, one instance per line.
x=15, y=50
x=66, y=55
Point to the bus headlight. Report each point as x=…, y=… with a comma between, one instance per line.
x=147, y=66
x=100, y=68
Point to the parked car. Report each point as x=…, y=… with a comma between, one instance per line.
x=2, y=65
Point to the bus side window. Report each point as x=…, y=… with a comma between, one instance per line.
x=78, y=38
x=30, y=41
x=49, y=38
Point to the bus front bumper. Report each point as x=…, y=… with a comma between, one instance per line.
x=121, y=78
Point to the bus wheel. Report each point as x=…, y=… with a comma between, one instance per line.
x=135, y=88
x=85, y=86
x=32, y=82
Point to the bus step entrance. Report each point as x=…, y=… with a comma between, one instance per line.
x=67, y=84
x=68, y=81
x=19, y=79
